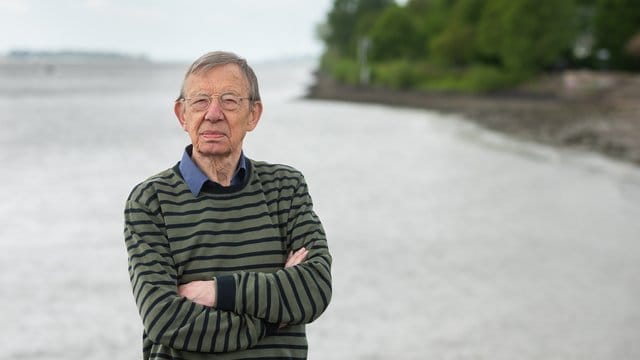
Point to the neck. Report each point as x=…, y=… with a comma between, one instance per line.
x=217, y=168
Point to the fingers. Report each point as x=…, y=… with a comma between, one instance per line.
x=200, y=292
x=296, y=257
x=186, y=291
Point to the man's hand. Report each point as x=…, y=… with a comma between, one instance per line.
x=296, y=257
x=200, y=292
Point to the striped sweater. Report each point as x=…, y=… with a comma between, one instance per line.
x=241, y=237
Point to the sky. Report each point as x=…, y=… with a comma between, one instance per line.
x=165, y=30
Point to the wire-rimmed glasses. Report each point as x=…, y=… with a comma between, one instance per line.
x=227, y=101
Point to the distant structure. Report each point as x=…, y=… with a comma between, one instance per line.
x=364, y=44
x=70, y=56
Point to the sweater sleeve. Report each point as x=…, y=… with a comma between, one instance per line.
x=168, y=318
x=295, y=295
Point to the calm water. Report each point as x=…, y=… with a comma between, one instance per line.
x=450, y=242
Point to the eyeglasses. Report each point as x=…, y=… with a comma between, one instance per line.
x=227, y=101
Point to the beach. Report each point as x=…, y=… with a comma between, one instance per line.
x=593, y=111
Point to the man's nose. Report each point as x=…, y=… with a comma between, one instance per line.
x=214, y=112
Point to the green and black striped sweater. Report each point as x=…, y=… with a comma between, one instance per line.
x=241, y=236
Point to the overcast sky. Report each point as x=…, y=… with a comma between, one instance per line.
x=171, y=30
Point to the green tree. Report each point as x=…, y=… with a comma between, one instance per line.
x=394, y=35
x=526, y=35
x=616, y=22
x=432, y=17
x=344, y=22
x=455, y=44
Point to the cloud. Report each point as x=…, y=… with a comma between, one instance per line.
x=167, y=30
x=97, y=4
x=17, y=7
x=126, y=11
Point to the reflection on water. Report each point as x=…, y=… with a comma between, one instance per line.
x=449, y=241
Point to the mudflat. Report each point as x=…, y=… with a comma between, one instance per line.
x=595, y=111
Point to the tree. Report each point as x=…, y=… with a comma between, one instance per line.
x=526, y=35
x=341, y=30
x=432, y=17
x=394, y=35
x=455, y=44
x=616, y=22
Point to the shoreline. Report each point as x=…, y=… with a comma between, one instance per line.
x=597, y=112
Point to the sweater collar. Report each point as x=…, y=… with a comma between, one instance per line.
x=196, y=179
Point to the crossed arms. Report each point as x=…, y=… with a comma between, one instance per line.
x=203, y=292
x=232, y=312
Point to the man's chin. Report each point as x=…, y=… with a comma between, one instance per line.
x=211, y=151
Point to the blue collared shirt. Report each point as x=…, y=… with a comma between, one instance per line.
x=196, y=179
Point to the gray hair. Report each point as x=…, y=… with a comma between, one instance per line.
x=212, y=59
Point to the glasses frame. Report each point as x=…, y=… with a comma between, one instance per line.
x=189, y=101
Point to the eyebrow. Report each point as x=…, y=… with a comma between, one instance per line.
x=201, y=93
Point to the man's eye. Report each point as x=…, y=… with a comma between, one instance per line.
x=230, y=100
x=201, y=102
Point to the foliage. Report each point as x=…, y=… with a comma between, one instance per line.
x=475, y=45
x=343, y=69
x=456, y=43
x=431, y=17
x=405, y=74
x=616, y=22
x=525, y=35
x=400, y=74
x=483, y=78
x=344, y=23
x=394, y=35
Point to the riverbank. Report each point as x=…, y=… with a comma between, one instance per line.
x=592, y=111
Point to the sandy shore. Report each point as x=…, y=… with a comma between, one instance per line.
x=592, y=111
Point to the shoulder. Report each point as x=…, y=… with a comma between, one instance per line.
x=265, y=170
x=147, y=189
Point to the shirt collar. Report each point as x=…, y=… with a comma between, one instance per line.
x=196, y=179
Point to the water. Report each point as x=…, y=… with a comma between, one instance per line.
x=450, y=242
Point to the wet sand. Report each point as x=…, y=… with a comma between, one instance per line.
x=592, y=111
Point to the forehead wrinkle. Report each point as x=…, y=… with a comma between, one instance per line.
x=234, y=82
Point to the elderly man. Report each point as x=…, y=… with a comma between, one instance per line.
x=227, y=258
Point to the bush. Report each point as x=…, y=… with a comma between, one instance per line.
x=342, y=69
x=400, y=74
x=478, y=78
x=481, y=78
x=346, y=71
x=404, y=74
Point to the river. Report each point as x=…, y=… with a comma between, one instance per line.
x=449, y=241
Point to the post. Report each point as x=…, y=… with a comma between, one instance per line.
x=364, y=44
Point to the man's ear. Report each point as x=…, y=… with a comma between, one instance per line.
x=178, y=109
x=256, y=112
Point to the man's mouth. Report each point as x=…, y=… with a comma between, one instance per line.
x=212, y=134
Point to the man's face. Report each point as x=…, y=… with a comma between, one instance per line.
x=215, y=131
